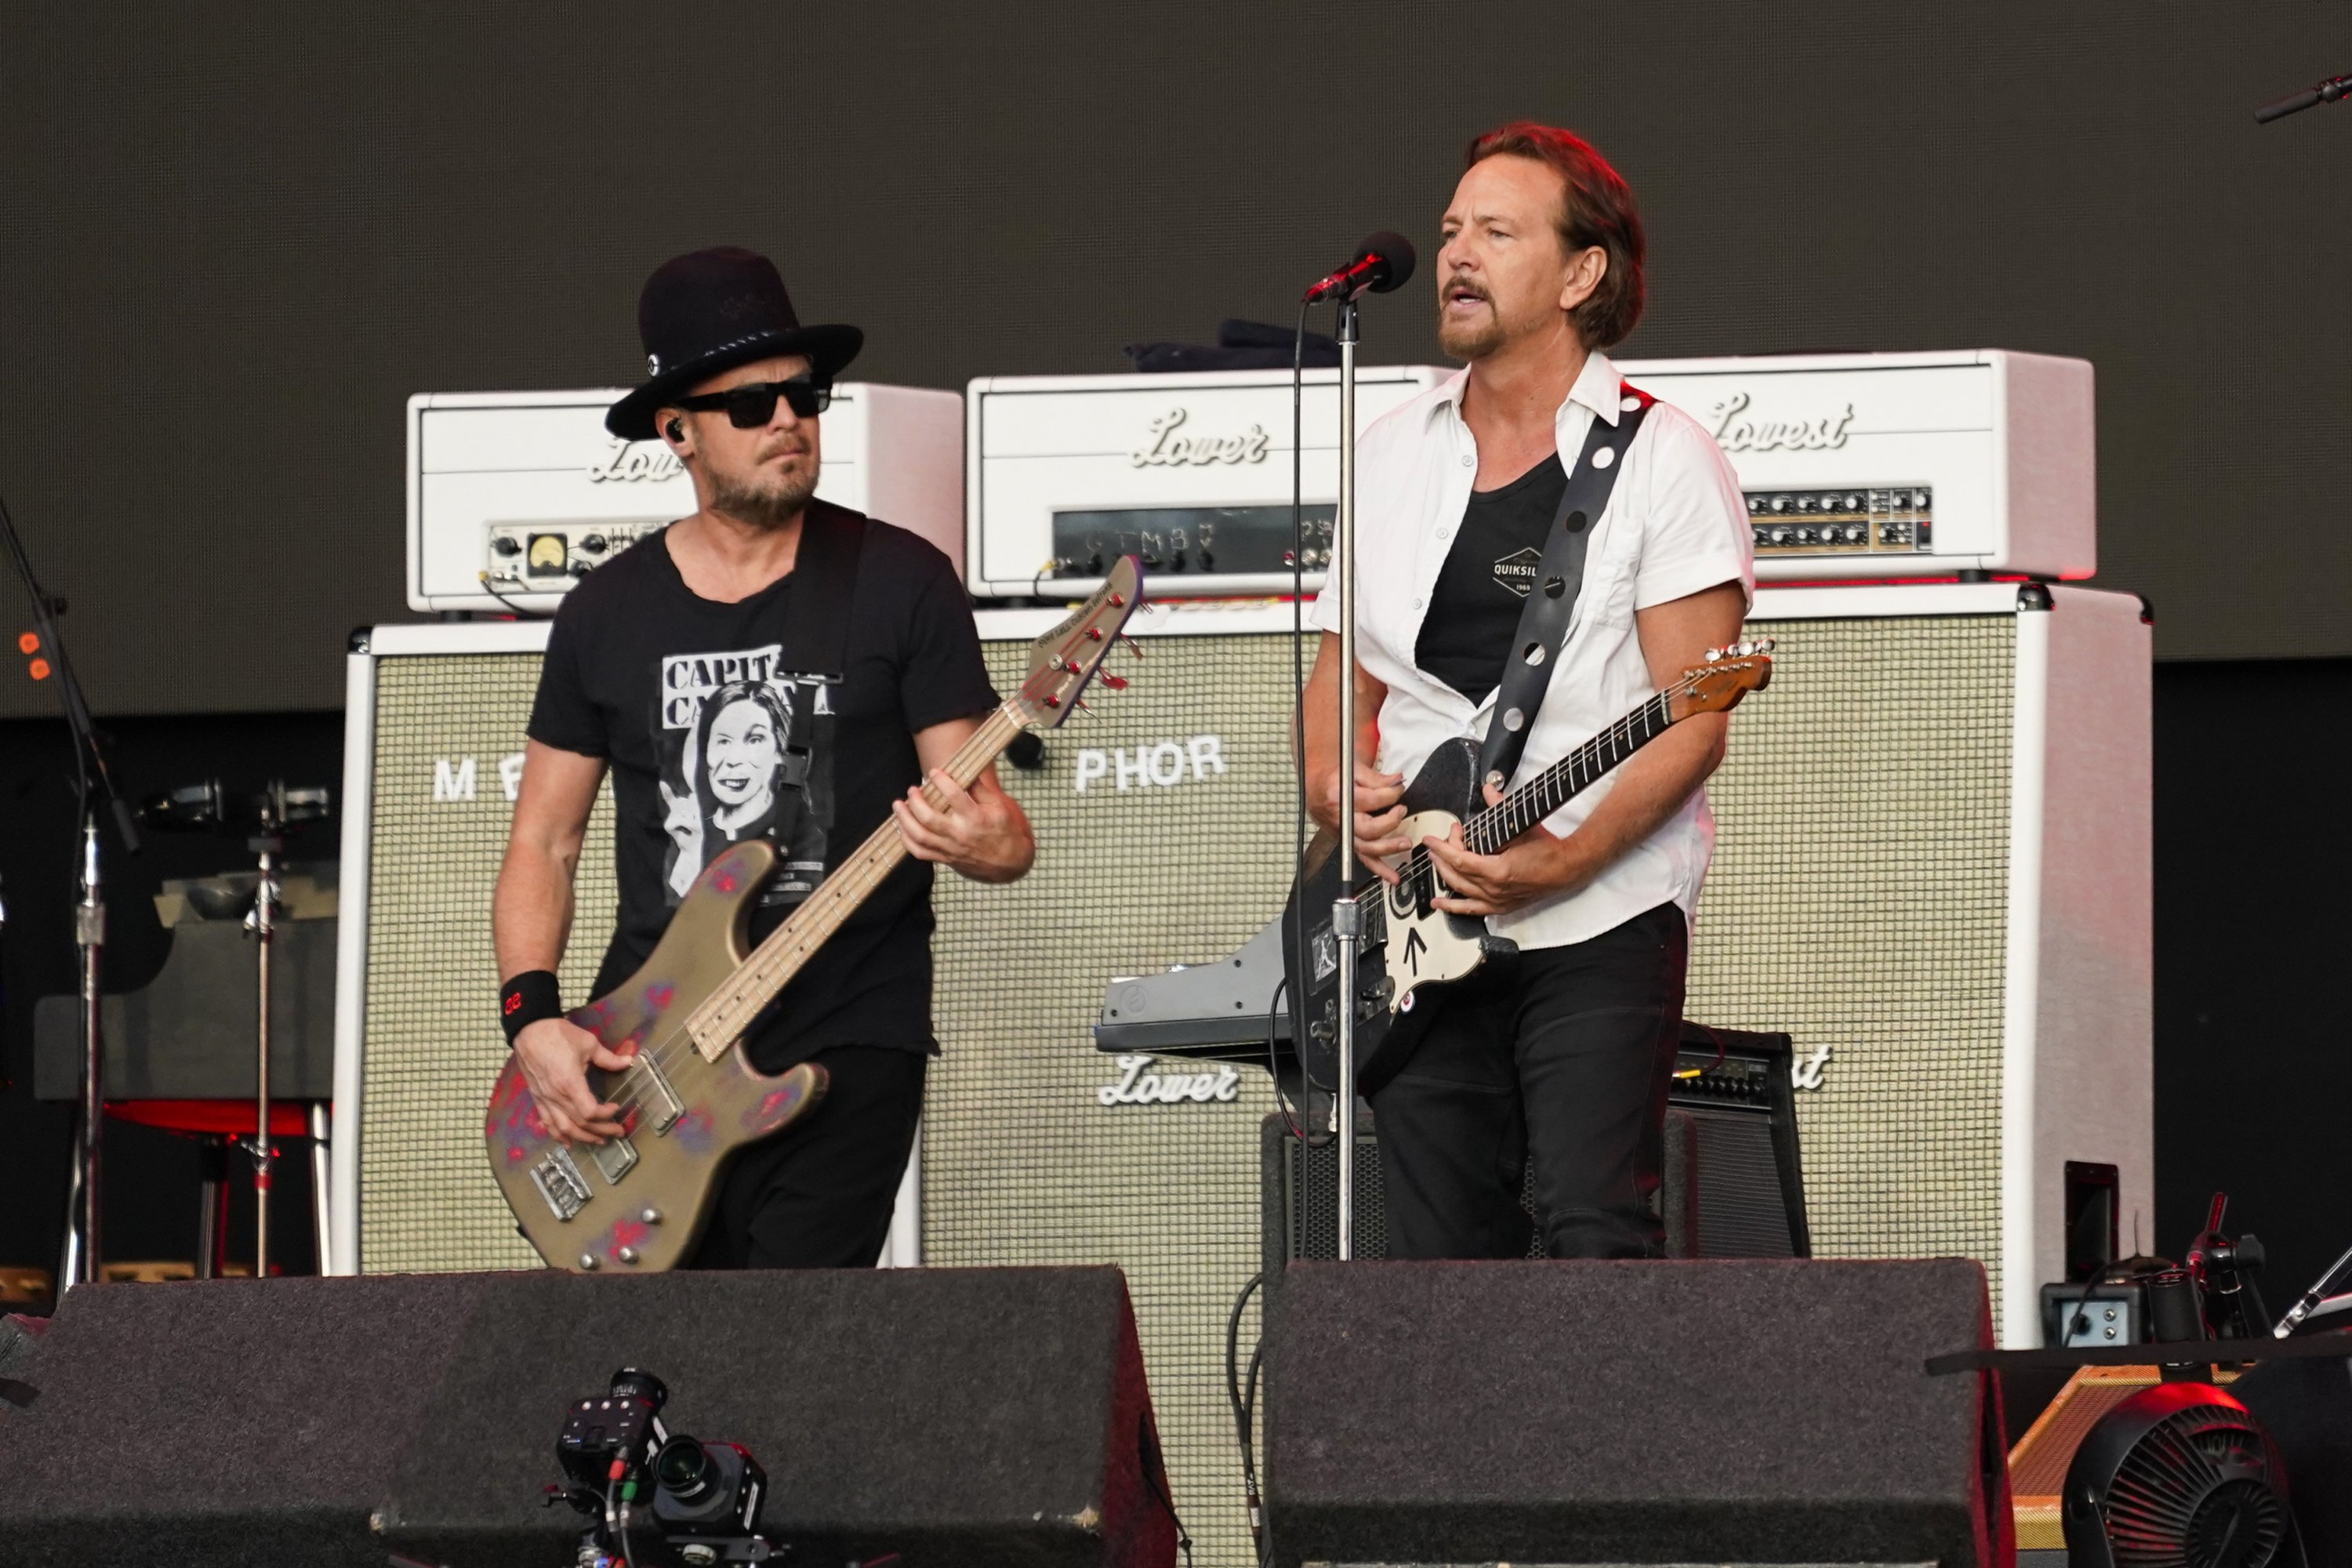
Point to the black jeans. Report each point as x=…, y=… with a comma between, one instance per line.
x=819, y=1194
x=1561, y=1056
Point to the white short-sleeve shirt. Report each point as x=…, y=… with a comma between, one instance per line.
x=1675, y=524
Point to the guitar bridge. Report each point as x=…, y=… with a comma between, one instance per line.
x=558, y=1180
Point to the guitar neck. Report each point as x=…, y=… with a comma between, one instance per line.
x=1565, y=779
x=729, y=1011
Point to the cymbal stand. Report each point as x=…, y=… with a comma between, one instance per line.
x=269, y=844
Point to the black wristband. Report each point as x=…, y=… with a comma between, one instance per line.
x=526, y=999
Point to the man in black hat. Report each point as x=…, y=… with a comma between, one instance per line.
x=777, y=667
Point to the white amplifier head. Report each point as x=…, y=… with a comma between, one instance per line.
x=1190, y=471
x=528, y=489
x=1902, y=465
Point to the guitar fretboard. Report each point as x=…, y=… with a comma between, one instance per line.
x=730, y=1009
x=1529, y=803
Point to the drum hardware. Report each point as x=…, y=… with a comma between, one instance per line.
x=205, y=807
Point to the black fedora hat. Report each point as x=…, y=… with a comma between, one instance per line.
x=708, y=312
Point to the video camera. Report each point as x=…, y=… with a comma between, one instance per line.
x=705, y=1497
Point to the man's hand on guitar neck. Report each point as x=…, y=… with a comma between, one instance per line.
x=554, y=1056
x=1535, y=865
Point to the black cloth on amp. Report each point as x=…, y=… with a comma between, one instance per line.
x=1562, y=1056
x=710, y=742
x=1474, y=611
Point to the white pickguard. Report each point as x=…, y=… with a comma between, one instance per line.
x=1432, y=948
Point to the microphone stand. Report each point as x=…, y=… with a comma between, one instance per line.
x=1346, y=916
x=80, y=1255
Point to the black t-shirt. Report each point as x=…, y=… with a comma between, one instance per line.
x=710, y=742
x=1482, y=588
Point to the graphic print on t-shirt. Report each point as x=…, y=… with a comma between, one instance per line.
x=1516, y=570
x=732, y=766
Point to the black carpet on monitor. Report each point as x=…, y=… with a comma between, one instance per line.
x=969, y=1416
x=1583, y=1412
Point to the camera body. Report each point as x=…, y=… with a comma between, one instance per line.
x=622, y=1462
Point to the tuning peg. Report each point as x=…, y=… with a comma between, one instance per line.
x=1115, y=682
x=1133, y=647
x=1094, y=634
x=1714, y=655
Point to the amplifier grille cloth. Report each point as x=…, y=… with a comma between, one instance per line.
x=1022, y=1161
x=1857, y=901
x=427, y=1200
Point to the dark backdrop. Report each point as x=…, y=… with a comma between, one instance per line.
x=232, y=242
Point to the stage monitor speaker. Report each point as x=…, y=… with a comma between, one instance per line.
x=956, y=1416
x=1606, y=1412
x=1932, y=870
x=1732, y=1184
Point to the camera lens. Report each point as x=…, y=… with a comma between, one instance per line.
x=683, y=1469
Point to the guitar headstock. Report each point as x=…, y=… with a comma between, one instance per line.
x=1729, y=674
x=1064, y=659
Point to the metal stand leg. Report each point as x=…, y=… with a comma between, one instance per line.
x=1344, y=913
x=211, y=1204
x=262, y=922
x=80, y=1263
x=321, y=1165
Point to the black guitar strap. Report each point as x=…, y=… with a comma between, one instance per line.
x=1543, y=625
x=814, y=656
x=824, y=573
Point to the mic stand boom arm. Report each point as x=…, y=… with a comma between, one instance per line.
x=78, y=1263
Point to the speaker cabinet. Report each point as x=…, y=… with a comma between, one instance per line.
x=962, y=1416
x=1931, y=870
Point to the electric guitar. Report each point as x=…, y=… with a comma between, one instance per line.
x=1410, y=950
x=689, y=1097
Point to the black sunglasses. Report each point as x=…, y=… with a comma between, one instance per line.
x=751, y=406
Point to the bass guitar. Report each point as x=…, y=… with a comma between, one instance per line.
x=1410, y=950
x=689, y=1097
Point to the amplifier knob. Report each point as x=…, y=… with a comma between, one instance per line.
x=593, y=544
x=1854, y=502
x=505, y=546
x=1760, y=534
x=1806, y=504
x=1780, y=536
x=1780, y=503
x=1755, y=503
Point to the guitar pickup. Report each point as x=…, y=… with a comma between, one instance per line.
x=560, y=1182
x=614, y=1158
x=661, y=1105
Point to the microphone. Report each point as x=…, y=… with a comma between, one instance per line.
x=1382, y=263
x=2327, y=91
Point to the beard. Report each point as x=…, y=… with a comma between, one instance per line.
x=759, y=500
x=1473, y=339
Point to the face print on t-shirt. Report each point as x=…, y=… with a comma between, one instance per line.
x=729, y=768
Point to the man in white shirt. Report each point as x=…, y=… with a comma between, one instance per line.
x=1563, y=1055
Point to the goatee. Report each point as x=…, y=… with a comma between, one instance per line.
x=771, y=505
x=1469, y=339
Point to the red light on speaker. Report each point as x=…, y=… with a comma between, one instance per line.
x=29, y=642
x=39, y=670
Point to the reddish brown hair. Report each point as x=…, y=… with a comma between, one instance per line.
x=1597, y=210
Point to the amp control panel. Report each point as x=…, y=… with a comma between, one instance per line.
x=1899, y=519
x=549, y=557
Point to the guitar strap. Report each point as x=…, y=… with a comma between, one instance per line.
x=824, y=573
x=1551, y=603
x=813, y=658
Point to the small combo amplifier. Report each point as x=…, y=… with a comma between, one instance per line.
x=515, y=496
x=1902, y=465
x=1733, y=1185
x=1192, y=472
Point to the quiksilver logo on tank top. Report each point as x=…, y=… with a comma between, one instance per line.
x=1516, y=570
